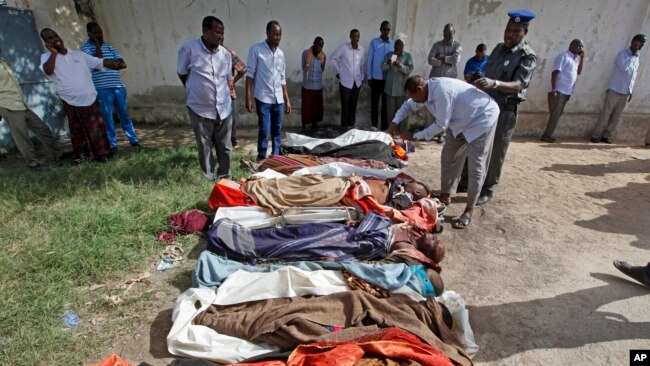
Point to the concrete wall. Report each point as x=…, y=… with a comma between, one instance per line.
x=148, y=34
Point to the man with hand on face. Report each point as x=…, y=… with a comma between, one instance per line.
x=398, y=66
x=111, y=91
x=507, y=76
x=205, y=69
x=566, y=68
x=349, y=61
x=70, y=71
x=266, y=83
x=378, y=49
x=619, y=90
x=21, y=120
x=470, y=114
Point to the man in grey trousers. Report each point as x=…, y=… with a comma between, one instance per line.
x=471, y=115
x=205, y=69
x=619, y=90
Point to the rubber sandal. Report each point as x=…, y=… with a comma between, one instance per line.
x=463, y=221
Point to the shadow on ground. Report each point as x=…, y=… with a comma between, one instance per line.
x=512, y=328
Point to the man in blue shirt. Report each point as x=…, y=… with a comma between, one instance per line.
x=110, y=88
x=266, y=85
x=475, y=66
x=377, y=50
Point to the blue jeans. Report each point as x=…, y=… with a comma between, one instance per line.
x=269, y=120
x=109, y=97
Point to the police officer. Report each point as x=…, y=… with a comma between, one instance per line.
x=507, y=75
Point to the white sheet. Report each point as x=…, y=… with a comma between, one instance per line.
x=345, y=170
x=197, y=341
x=351, y=137
x=256, y=217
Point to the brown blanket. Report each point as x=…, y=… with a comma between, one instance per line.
x=302, y=191
x=288, y=322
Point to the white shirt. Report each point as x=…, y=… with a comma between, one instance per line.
x=267, y=69
x=206, y=87
x=72, y=78
x=350, y=64
x=625, y=70
x=456, y=105
x=567, y=64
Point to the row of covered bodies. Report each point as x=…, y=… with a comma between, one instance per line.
x=323, y=256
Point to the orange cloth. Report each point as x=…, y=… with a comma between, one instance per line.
x=112, y=360
x=400, y=153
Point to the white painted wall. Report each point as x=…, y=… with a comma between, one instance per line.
x=149, y=32
x=604, y=26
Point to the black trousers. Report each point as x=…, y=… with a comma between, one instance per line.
x=376, y=92
x=349, y=98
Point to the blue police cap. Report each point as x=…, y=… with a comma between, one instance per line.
x=521, y=16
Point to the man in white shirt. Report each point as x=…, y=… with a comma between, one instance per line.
x=619, y=90
x=205, y=69
x=265, y=73
x=70, y=71
x=349, y=61
x=566, y=68
x=471, y=115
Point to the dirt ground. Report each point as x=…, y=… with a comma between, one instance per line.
x=535, y=266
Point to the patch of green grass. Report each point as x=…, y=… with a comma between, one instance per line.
x=74, y=226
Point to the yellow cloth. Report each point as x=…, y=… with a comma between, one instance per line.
x=312, y=190
x=10, y=95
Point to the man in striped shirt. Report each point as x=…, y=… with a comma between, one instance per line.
x=110, y=88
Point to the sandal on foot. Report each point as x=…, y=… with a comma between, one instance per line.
x=636, y=272
x=463, y=221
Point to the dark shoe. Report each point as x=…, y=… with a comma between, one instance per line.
x=136, y=145
x=234, y=143
x=440, y=139
x=595, y=140
x=550, y=140
x=461, y=189
x=606, y=140
x=647, y=146
x=637, y=272
x=483, y=199
x=463, y=221
x=37, y=167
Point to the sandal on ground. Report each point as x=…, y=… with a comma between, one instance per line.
x=463, y=221
x=636, y=272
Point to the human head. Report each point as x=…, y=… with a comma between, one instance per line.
x=273, y=33
x=399, y=47
x=436, y=280
x=637, y=42
x=95, y=31
x=448, y=32
x=481, y=50
x=431, y=247
x=384, y=29
x=416, y=88
x=355, y=36
x=318, y=45
x=212, y=31
x=576, y=46
x=52, y=38
x=517, y=27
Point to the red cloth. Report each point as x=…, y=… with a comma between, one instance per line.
x=359, y=197
x=400, y=153
x=392, y=343
x=186, y=222
x=227, y=193
x=112, y=360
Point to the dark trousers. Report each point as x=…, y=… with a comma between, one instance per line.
x=505, y=127
x=376, y=92
x=349, y=98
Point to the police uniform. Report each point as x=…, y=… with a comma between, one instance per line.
x=507, y=64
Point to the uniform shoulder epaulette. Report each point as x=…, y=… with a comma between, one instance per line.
x=527, y=49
